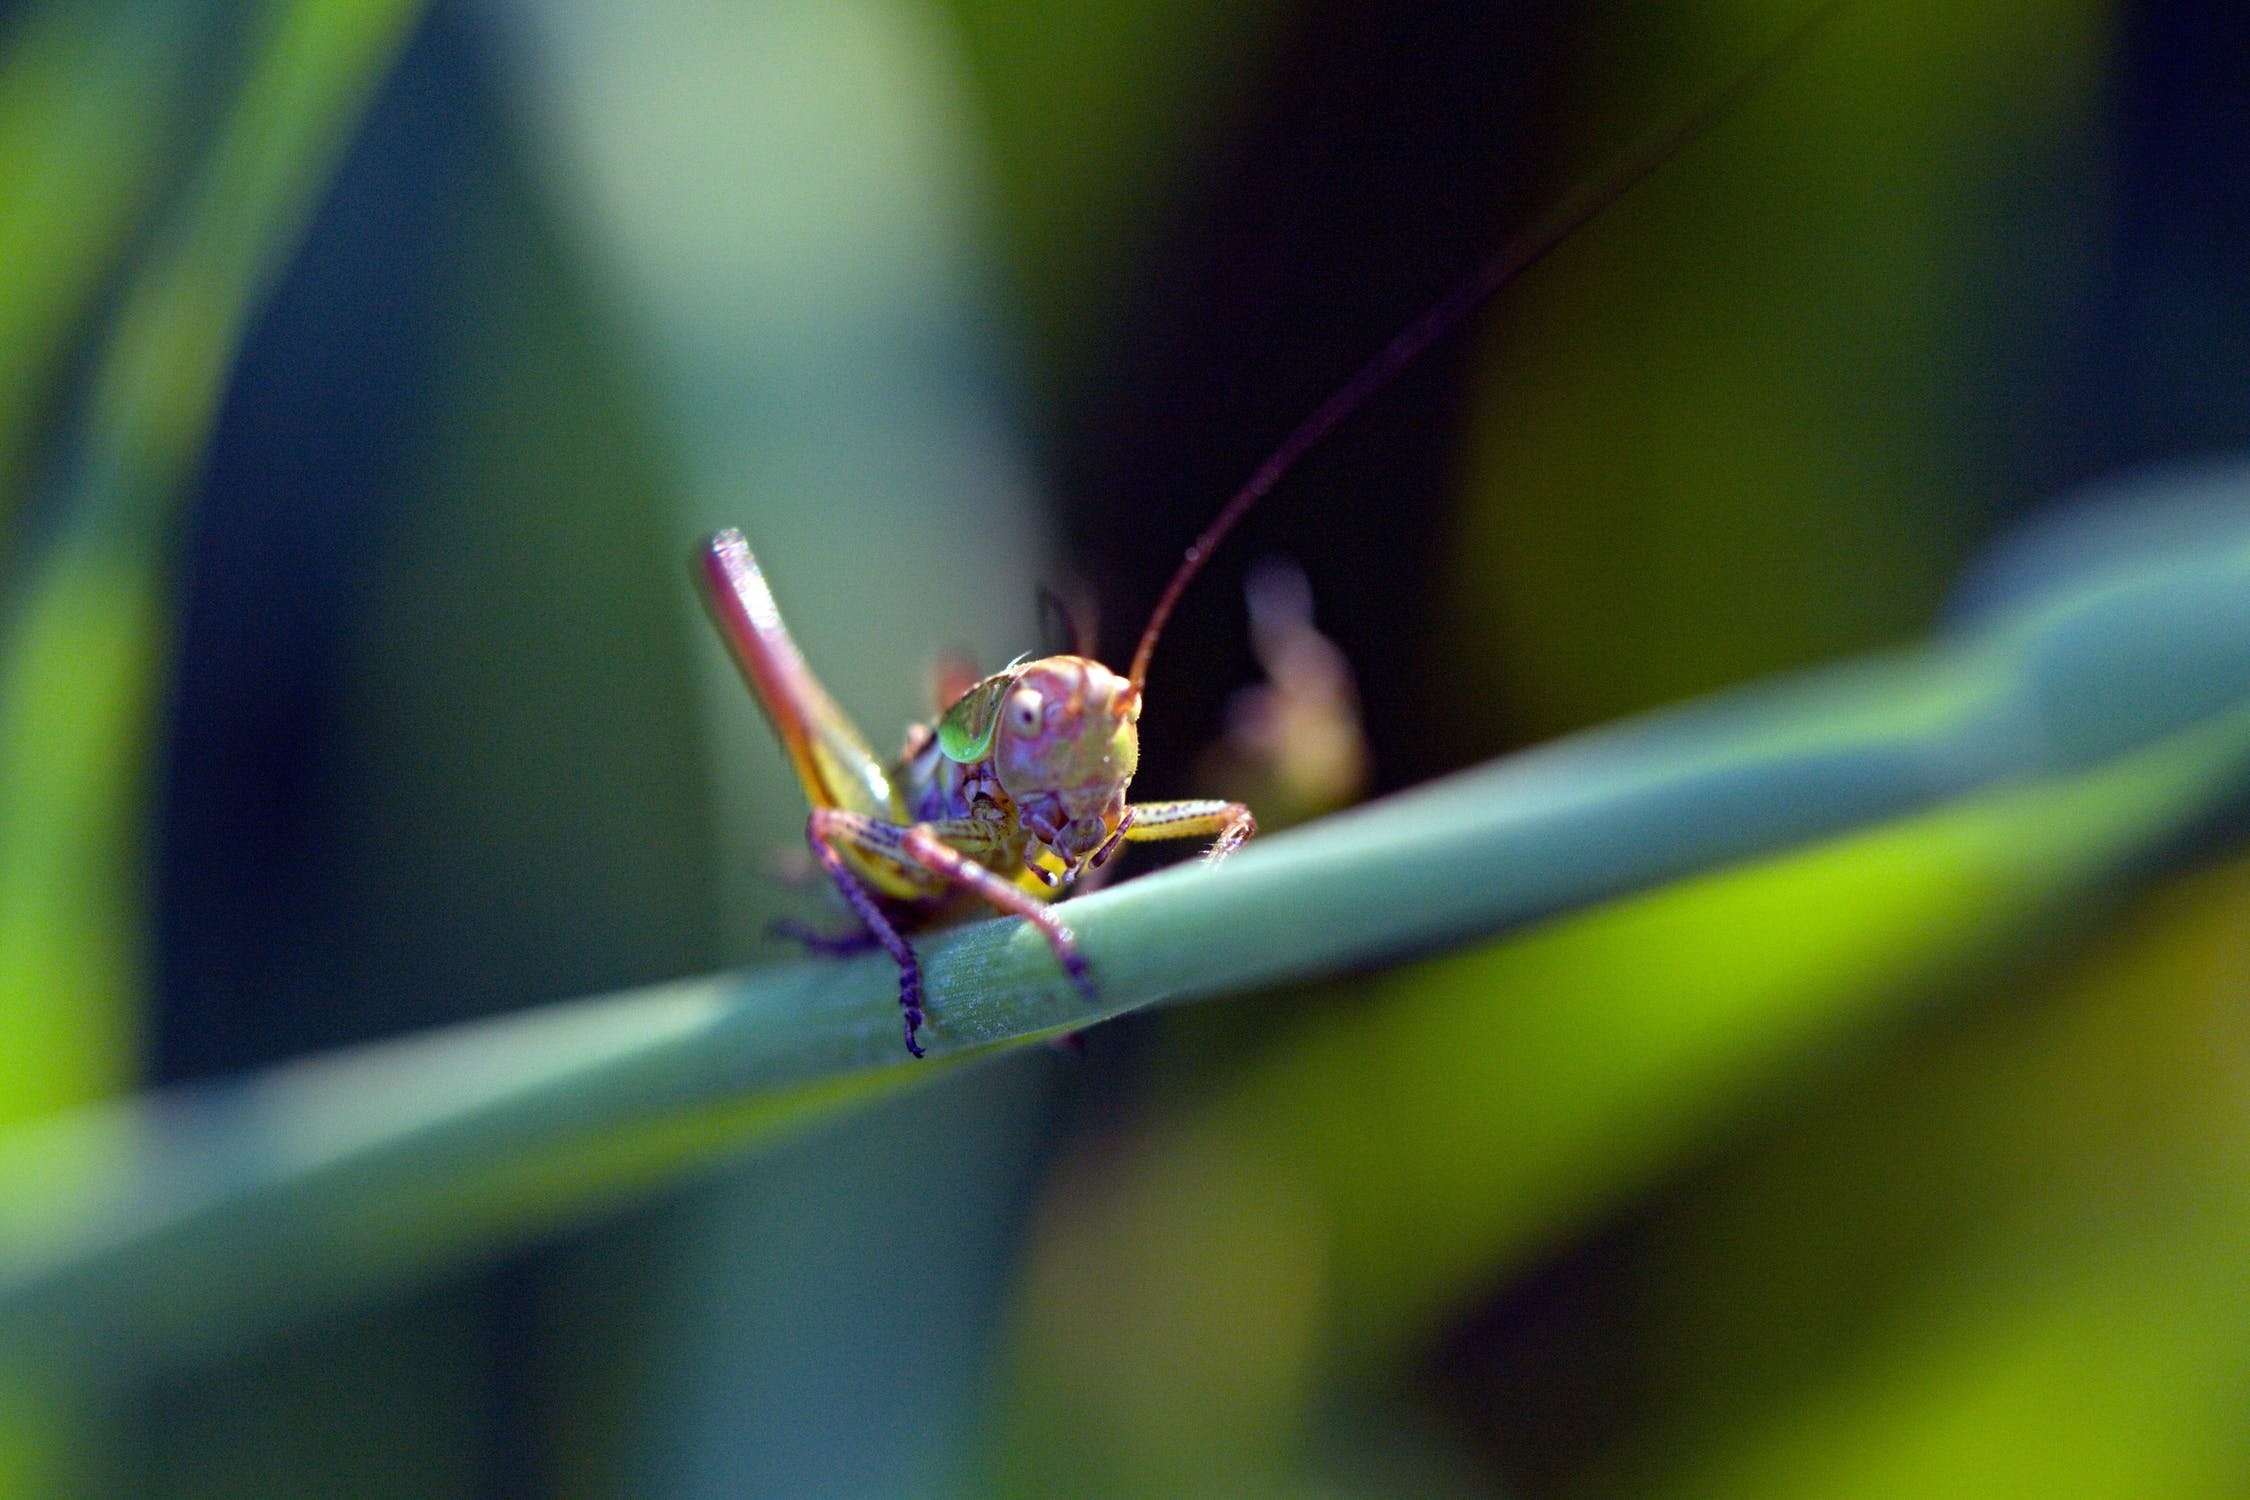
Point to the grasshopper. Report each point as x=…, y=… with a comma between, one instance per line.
x=1016, y=791
x=1020, y=787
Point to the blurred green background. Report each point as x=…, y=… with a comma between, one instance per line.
x=368, y=370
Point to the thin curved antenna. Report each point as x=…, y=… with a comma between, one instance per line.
x=1519, y=255
x=1066, y=621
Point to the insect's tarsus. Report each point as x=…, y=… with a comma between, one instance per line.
x=1520, y=254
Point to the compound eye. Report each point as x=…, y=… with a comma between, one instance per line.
x=1024, y=709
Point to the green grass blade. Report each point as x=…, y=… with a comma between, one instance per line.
x=159, y=1228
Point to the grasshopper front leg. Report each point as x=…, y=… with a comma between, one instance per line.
x=936, y=850
x=1228, y=824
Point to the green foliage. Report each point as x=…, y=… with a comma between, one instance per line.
x=84, y=627
x=1821, y=1086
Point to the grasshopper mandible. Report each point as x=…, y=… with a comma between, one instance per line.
x=1020, y=786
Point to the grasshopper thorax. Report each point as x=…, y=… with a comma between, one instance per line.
x=1061, y=737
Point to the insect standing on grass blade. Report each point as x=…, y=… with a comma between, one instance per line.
x=1019, y=788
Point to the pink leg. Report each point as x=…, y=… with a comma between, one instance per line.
x=926, y=849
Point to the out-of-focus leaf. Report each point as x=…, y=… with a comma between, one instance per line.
x=1138, y=81
x=91, y=108
x=92, y=105
x=81, y=644
x=1746, y=422
x=2000, y=1262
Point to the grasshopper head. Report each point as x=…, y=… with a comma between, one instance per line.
x=1064, y=749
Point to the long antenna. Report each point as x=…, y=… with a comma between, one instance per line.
x=1520, y=254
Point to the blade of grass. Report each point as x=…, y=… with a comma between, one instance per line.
x=157, y=1229
x=93, y=105
x=80, y=647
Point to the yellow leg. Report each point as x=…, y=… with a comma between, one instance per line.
x=1228, y=824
